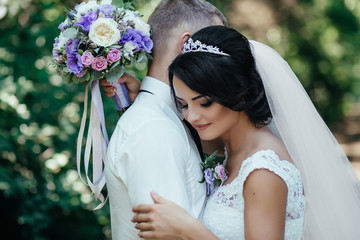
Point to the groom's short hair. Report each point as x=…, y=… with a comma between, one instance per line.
x=170, y=16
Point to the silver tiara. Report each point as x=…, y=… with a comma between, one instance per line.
x=197, y=46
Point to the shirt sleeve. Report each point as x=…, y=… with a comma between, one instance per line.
x=153, y=158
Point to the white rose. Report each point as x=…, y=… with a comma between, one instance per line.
x=140, y=25
x=128, y=49
x=103, y=2
x=104, y=32
x=85, y=8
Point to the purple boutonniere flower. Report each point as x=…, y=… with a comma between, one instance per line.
x=214, y=173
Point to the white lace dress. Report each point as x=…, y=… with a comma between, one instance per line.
x=224, y=212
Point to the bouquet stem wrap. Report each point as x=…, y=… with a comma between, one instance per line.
x=97, y=140
x=121, y=97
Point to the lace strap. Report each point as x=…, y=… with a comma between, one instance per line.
x=265, y=159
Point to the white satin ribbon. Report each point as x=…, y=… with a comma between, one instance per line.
x=97, y=140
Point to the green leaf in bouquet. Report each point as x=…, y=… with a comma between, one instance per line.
x=128, y=4
x=149, y=56
x=85, y=78
x=142, y=58
x=70, y=33
x=115, y=73
x=68, y=78
x=202, y=180
x=114, y=65
x=96, y=50
x=217, y=182
x=75, y=79
x=96, y=75
x=116, y=46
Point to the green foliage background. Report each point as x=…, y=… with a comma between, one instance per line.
x=41, y=196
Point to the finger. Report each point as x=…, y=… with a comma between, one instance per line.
x=109, y=89
x=144, y=226
x=104, y=82
x=142, y=208
x=147, y=235
x=141, y=217
x=157, y=198
x=109, y=94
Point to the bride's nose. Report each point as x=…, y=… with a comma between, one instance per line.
x=193, y=116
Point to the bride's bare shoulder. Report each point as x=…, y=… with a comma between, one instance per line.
x=271, y=142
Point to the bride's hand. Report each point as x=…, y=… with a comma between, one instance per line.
x=132, y=84
x=162, y=220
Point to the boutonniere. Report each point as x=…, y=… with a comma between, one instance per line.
x=214, y=172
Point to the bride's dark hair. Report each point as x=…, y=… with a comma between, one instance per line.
x=231, y=81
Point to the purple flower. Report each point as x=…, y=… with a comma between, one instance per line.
x=73, y=63
x=220, y=171
x=64, y=25
x=106, y=9
x=87, y=58
x=113, y=55
x=99, y=64
x=142, y=42
x=81, y=74
x=85, y=21
x=209, y=176
x=71, y=46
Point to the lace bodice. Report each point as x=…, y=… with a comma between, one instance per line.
x=224, y=212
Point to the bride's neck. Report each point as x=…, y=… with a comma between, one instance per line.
x=242, y=137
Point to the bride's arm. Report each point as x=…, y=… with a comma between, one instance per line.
x=265, y=196
x=166, y=220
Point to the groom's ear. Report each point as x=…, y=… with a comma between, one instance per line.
x=184, y=37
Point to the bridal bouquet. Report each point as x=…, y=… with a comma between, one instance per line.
x=97, y=40
x=214, y=172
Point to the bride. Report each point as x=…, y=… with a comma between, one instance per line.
x=287, y=176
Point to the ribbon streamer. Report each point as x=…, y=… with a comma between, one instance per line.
x=97, y=140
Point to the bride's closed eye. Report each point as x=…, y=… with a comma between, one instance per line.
x=207, y=103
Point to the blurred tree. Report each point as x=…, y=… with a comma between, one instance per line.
x=318, y=38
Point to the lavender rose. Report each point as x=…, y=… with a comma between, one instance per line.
x=73, y=63
x=71, y=46
x=86, y=21
x=142, y=42
x=209, y=176
x=220, y=171
x=87, y=58
x=114, y=55
x=99, y=64
x=106, y=9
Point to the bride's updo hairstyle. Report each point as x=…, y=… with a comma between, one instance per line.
x=231, y=81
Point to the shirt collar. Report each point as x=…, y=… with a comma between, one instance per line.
x=160, y=90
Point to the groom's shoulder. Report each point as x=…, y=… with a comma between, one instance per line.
x=148, y=114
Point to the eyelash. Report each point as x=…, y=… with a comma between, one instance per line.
x=207, y=104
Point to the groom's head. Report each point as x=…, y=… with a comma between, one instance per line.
x=173, y=20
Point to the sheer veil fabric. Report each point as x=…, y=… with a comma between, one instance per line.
x=331, y=187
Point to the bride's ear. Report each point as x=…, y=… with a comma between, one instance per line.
x=184, y=37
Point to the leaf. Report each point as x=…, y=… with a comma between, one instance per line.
x=115, y=73
x=142, y=58
x=70, y=33
x=217, y=182
x=114, y=65
x=149, y=56
x=96, y=75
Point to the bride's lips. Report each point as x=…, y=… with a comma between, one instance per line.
x=200, y=127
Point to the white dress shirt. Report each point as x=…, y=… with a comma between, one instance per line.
x=151, y=149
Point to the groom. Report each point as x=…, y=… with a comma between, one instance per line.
x=151, y=149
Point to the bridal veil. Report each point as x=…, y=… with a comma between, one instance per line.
x=331, y=187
